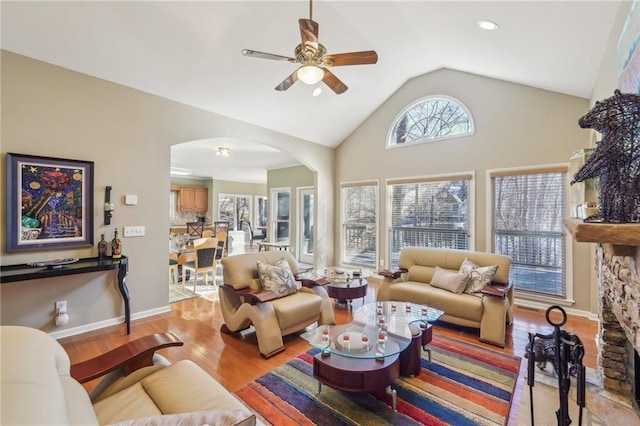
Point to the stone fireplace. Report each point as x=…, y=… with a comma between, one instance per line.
x=619, y=313
x=618, y=275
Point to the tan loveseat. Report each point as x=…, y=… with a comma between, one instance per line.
x=38, y=389
x=489, y=310
x=244, y=301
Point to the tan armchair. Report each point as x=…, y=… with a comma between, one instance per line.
x=39, y=385
x=244, y=302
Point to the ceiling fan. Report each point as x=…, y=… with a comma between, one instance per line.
x=314, y=59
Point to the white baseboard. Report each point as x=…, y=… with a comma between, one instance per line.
x=106, y=323
x=542, y=306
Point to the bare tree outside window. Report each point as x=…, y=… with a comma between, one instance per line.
x=431, y=118
x=234, y=209
x=527, y=223
x=429, y=214
x=359, y=226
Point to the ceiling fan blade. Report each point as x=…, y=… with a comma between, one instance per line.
x=352, y=58
x=333, y=82
x=288, y=82
x=262, y=55
x=309, y=33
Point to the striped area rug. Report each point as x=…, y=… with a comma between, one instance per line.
x=464, y=385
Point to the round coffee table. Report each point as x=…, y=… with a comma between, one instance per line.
x=346, y=284
x=371, y=352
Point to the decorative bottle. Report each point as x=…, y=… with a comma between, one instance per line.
x=102, y=248
x=116, y=246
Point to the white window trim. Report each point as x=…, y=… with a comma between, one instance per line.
x=472, y=125
x=367, y=182
x=447, y=176
x=273, y=218
x=524, y=298
x=235, y=196
x=299, y=218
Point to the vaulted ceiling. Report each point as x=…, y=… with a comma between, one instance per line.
x=190, y=52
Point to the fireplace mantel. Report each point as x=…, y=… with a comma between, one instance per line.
x=618, y=234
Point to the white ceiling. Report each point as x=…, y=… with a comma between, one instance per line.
x=190, y=52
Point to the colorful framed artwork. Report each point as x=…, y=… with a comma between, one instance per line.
x=49, y=203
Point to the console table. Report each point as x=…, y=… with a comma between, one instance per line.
x=24, y=272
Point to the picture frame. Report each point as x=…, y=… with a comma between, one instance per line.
x=49, y=203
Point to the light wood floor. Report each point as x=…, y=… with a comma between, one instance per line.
x=235, y=362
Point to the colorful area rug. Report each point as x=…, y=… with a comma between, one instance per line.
x=463, y=385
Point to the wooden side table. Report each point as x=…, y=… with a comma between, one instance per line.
x=345, y=292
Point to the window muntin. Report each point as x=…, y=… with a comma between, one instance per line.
x=359, y=223
x=527, y=215
x=429, y=213
x=431, y=118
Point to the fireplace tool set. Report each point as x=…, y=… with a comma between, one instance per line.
x=565, y=351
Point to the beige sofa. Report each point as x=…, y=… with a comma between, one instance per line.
x=244, y=302
x=489, y=310
x=38, y=389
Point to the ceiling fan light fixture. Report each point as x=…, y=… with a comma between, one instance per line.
x=223, y=151
x=310, y=74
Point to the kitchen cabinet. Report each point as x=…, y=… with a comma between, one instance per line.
x=193, y=199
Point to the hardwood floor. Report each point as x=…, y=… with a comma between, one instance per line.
x=235, y=362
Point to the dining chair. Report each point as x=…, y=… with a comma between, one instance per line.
x=173, y=268
x=254, y=237
x=222, y=226
x=195, y=229
x=204, y=261
x=220, y=251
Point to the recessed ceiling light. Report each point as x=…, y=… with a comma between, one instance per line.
x=223, y=151
x=317, y=91
x=487, y=25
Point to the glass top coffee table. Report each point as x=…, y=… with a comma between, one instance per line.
x=383, y=341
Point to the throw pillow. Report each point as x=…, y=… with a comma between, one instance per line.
x=278, y=277
x=479, y=276
x=451, y=281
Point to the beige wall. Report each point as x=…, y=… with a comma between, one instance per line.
x=51, y=111
x=516, y=126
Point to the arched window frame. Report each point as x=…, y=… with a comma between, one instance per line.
x=426, y=99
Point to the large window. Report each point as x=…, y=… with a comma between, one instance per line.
x=429, y=212
x=281, y=212
x=234, y=209
x=261, y=211
x=528, y=208
x=359, y=223
x=430, y=118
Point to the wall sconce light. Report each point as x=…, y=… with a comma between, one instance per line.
x=108, y=206
x=223, y=151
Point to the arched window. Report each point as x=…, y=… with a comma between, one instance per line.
x=431, y=118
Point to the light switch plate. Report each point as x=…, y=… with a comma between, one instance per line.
x=130, y=200
x=134, y=231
